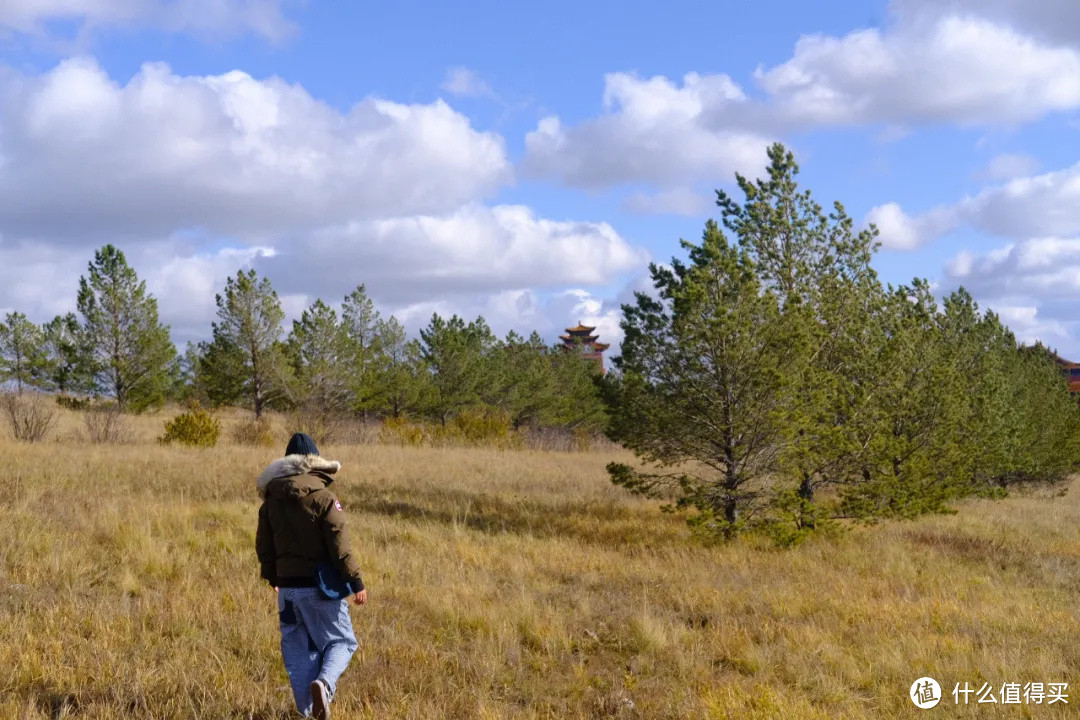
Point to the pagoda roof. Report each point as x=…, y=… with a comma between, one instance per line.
x=600, y=347
x=1062, y=361
x=579, y=338
x=580, y=329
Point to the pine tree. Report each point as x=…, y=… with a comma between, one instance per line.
x=1046, y=424
x=401, y=382
x=128, y=349
x=65, y=354
x=780, y=364
x=819, y=267
x=246, y=358
x=219, y=372
x=913, y=414
x=321, y=353
x=542, y=386
x=792, y=241
x=22, y=357
x=364, y=328
x=706, y=374
x=578, y=404
x=185, y=376
x=522, y=381
x=978, y=351
x=456, y=355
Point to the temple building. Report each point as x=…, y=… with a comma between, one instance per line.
x=581, y=339
x=1071, y=371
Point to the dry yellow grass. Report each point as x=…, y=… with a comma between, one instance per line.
x=507, y=585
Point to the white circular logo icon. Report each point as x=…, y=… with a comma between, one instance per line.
x=925, y=693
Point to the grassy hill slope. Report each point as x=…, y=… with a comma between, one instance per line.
x=508, y=585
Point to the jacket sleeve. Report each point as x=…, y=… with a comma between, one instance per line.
x=264, y=547
x=337, y=544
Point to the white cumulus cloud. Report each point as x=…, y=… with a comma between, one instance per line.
x=950, y=66
x=653, y=131
x=1030, y=326
x=1046, y=205
x=900, y=231
x=1032, y=284
x=1055, y=21
x=474, y=249
x=1041, y=205
x=953, y=69
x=83, y=154
x=195, y=177
x=1038, y=268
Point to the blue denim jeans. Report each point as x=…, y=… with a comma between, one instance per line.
x=317, y=641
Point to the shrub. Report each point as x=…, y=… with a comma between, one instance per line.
x=256, y=431
x=399, y=431
x=29, y=416
x=105, y=424
x=69, y=402
x=581, y=439
x=196, y=427
x=477, y=427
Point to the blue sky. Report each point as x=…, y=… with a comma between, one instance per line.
x=526, y=162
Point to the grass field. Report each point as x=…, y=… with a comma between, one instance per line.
x=508, y=585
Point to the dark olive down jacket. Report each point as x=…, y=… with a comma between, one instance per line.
x=301, y=524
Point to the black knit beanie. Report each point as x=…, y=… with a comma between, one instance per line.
x=301, y=444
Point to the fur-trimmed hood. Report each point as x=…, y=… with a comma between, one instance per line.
x=293, y=465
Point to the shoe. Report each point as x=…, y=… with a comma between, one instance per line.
x=320, y=701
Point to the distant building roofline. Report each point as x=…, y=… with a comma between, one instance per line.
x=580, y=329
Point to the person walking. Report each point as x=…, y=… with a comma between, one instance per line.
x=304, y=555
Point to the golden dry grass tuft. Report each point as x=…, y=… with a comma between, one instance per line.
x=506, y=585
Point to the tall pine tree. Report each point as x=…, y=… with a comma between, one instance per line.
x=65, y=366
x=22, y=356
x=456, y=355
x=320, y=352
x=819, y=267
x=363, y=328
x=401, y=384
x=128, y=349
x=246, y=358
x=706, y=376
